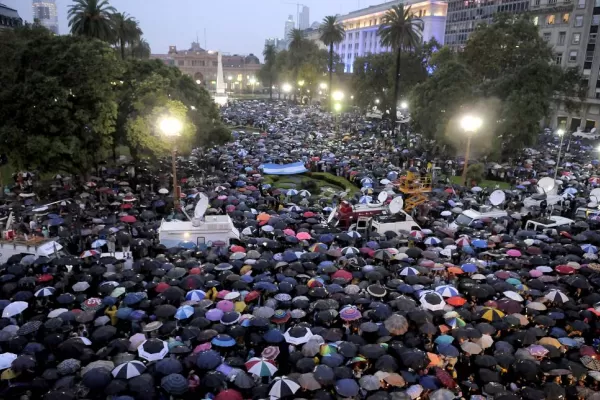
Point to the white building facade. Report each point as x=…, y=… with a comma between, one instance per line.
x=361, y=28
x=45, y=11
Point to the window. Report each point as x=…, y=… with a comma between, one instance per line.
x=597, y=3
x=561, y=38
x=589, y=56
x=551, y=1
x=580, y=3
x=573, y=56
x=595, y=19
x=558, y=58
x=592, y=38
x=547, y=36
x=215, y=63
x=536, y=3
x=565, y=18
x=180, y=62
x=576, y=38
x=550, y=19
x=536, y=20
x=578, y=21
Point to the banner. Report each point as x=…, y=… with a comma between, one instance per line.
x=285, y=169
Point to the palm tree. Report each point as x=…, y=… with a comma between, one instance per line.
x=400, y=30
x=126, y=30
x=270, y=54
x=92, y=18
x=140, y=48
x=297, y=45
x=332, y=32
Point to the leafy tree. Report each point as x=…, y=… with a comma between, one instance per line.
x=475, y=173
x=126, y=30
x=400, y=30
x=374, y=75
x=92, y=18
x=332, y=32
x=268, y=71
x=148, y=88
x=58, y=112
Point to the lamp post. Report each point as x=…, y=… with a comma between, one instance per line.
x=403, y=108
x=252, y=82
x=337, y=107
x=470, y=125
x=561, y=133
x=230, y=78
x=171, y=127
x=287, y=88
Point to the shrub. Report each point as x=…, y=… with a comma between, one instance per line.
x=310, y=185
x=475, y=173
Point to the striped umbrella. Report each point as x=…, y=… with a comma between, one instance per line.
x=45, y=292
x=350, y=313
x=409, y=271
x=492, y=314
x=283, y=387
x=129, y=370
x=195, y=295
x=347, y=251
x=447, y=291
x=418, y=235
x=463, y=241
x=432, y=241
x=261, y=366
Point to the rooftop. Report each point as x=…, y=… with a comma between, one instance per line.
x=379, y=8
x=8, y=12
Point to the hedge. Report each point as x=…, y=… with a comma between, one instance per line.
x=334, y=180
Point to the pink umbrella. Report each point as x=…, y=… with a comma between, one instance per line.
x=225, y=305
x=222, y=197
x=230, y=208
x=289, y=232
x=537, y=350
x=214, y=315
x=534, y=273
x=513, y=253
x=202, y=347
x=130, y=219
x=303, y=236
x=463, y=241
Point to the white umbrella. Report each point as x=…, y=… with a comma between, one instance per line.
x=432, y=301
x=513, y=295
x=153, y=350
x=297, y=335
x=6, y=360
x=283, y=387
x=163, y=191
x=45, y=292
x=81, y=286
x=57, y=312
x=14, y=308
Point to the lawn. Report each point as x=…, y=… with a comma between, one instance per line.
x=327, y=183
x=457, y=180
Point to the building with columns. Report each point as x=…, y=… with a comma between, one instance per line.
x=361, y=27
x=240, y=72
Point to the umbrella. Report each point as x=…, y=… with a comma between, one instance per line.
x=283, y=387
x=347, y=387
x=297, y=335
x=153, y=349
x=129, y=370
x=175, y=384
x=261, y=366
x=14, y=308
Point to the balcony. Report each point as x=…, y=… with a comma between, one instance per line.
x=558, y=6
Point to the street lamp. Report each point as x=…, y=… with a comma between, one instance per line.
x=171, y=127
x=337, y=107
x=470, y=124
x=230, y=78
x=403, y=105
x=198, y=81
x=323, y=86
x=376, y=101
x=560, y=132
x=252, y=82
x=337, y=95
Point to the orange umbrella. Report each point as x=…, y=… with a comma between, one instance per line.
x=456, y=301
x=456, y=270
x=263, y=217
x=434, y=359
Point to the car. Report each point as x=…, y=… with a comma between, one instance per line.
x=552, y=222
x=593, y=135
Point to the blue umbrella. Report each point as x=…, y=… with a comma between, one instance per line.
x=274, y=336
x=55, y=221
x=589, y=248
x=209, y=359
x=223, y=340
x=567, y=341
x=174, y=384
x=98, y=243
x=479, y=243
x=184, y=312
x=195, y=295
x=444, y=339
x=124, y=312
x=448, y=350
x=187, y=245
x=347, y=387
x=469, y=268
x=133, y=298
x=429, y=382
x=267, y=286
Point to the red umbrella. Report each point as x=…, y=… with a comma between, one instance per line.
x=253, y=295
x=126, y=206
x=456, y=301
x=45, y=278
x=445, y=378
x=161, y=287
x=343, y=274
x=229, y=394
x=129, y=219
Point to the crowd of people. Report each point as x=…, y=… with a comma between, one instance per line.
x=297, y=308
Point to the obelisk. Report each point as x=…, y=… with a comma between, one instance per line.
x=220, y=95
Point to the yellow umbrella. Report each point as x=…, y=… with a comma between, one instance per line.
x=550, y=341
x=8, y=374
x=492, y=314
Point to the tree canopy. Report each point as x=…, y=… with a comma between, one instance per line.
x=506, y=74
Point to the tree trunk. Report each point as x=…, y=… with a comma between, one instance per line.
x=330, y=74
x=122, y=48
x=396, y=90
x=271, y=86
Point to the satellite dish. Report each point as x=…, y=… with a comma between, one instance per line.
x=595, y=195
x=382, y=197
x=396, y=205
x=331, y=216
x=592, y=204
x=201, y=207
x=497, y=197
x=593, y=130
x=546, y=185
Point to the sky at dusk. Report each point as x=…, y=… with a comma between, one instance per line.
x=232, y=26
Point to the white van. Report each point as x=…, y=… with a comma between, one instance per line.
x=468, y=217
x=552, y=222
